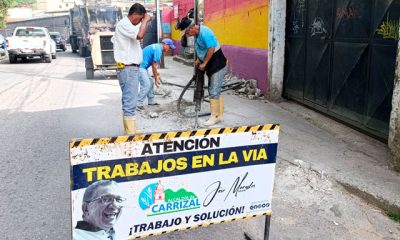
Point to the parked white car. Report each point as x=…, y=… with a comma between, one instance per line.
x=30, y=42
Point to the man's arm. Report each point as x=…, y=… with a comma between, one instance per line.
x=155, y=74
x=127, y=30
x=210, y=52
x=143, y=27
x=197, y=62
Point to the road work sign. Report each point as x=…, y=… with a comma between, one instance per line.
x=136, y=186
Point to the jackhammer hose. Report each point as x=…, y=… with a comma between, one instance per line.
x=180, y=101
x=189, y=85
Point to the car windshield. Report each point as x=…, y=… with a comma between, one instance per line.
x=30, y=33
x=55, y=37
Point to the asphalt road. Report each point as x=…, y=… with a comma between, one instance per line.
x=43, y=106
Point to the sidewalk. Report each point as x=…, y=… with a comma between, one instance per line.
x=314, y=141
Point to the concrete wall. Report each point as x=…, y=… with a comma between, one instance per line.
x=241, y=27
x=394, y=128
x=276, y=53
x=59, y=24
x=19, y=13
x=56, y=5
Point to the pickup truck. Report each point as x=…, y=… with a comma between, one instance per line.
x=29, y=42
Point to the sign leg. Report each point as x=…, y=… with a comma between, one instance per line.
x=267, y=225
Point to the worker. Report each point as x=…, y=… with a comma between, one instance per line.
x=151, y=56
x=210, y=59
x=128, y=55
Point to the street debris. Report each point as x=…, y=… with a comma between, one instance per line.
x=247, y=88
x=162, y=91
x=153, y=115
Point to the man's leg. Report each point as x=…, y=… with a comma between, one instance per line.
x=214, y=91
x=129, y=82
x=144, y=86
x=150, y=96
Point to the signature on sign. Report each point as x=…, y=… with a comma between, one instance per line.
x=239, y=186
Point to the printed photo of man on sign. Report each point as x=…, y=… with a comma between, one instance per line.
x=128, y=188
x=101, y=207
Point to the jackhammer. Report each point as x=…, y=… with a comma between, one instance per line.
x=198, y=76
x=197, y=81
x=198, y=95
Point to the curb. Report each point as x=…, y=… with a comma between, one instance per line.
x=371, y=198
x=373, y=191
x=384, y=204
x=248, y=236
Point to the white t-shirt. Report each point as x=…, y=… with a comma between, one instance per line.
x=80, y=234
x=126, y=47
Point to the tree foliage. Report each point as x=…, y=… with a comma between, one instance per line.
x=21, y=3
x=6, y=4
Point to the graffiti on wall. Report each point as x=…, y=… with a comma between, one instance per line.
x=298, y=18
x=347, y=12
x=389, y=29
x=318, y=27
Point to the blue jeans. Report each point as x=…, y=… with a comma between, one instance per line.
x=128, y=78
x=215, y=83
x=146, y=88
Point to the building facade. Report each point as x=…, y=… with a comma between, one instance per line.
x=56, y=5
x=337, y=57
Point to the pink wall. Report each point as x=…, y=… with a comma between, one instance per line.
x=167, y=15
x=184, y=6
x=211, y=6
x=248, y=63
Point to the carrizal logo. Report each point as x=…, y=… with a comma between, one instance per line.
x=156, y=200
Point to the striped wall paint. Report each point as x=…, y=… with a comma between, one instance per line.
x=243, y=24
x=241, y=27
x=248, y=63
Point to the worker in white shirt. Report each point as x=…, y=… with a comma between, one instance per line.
x=128, y=55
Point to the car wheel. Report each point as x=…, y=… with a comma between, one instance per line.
x=12, y=58
x=47, y=59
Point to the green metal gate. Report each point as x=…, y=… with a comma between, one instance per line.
x=340, y=59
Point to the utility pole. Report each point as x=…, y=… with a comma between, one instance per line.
x=159, y=32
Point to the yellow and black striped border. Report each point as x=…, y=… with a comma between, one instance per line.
x=202, y=225
x=75, y=143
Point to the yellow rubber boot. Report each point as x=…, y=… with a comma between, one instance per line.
x=221, y=108
x=130, y=126
x=215, y=110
